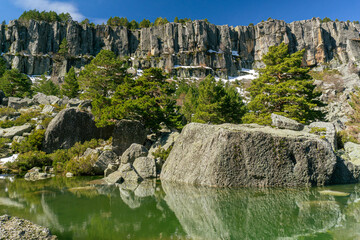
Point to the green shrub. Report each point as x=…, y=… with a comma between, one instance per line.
x=28, y=160
x=46, y=121
x=317, y=130
x=6, y=111
x=162, y=153
x=25, y=117
x=32, y=143
x=81, y=165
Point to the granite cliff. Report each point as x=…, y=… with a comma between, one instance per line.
x=193, y=49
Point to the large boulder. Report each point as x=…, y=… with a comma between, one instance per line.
x=285, y=123
x=145, y=167
x=248, y=155
x=127, y=132
x=134, y=151
x=353, y=151
x=70, y=126
x=105, y=158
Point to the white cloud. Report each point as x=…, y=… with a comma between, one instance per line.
x=48, y=5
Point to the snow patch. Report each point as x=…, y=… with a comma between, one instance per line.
x=36, y=78
x=139, y=72
x=235, y=53
x=9, y=159
x=180, y=66
x=213, y=51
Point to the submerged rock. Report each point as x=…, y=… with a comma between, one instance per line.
x=248, y=155
x=334, y=193
x=16, y=228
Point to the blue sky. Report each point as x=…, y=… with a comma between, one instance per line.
x=229, y=12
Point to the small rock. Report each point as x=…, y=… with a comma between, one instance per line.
x=285, y=123
x=334, y=193
x=145, y=167
x=48, y=109
x=69, y=175
x=16, y=131
x=133, y=152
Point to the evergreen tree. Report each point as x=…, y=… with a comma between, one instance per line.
x=148, y=99
x=2, y=66
x=64, y=47
x=176, y=20
x=15, y=84
x=213, y=102
x=101, y=77
x=46, y=86
x=133, y=25
x=284, y=87
x=70, y=87
x=145, y=23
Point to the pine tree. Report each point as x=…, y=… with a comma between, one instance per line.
x=64, y=47
x=46, y=86
x=101, y=77
x=284, y=87
x=15, y=84
x=148, y=99
x=145, y=23
x=2, y=66
x=70, y=87
x=176, y=20
x=213, y=102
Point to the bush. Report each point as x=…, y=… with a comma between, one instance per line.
x=21, y=120
x=28, y=160
x=47, y=87
x=162, y=153
x=32, y=143
x=6, y=111
x=81, y=165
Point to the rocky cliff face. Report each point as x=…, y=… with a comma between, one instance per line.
x=197, y=48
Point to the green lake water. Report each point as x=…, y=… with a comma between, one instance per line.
x=73, y=209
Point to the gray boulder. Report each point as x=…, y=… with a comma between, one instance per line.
x=105, y=158
x=112, y=167
x=70, y=126
x=353, y=151
x=325, y=129
x=48, y=109
x=127, y=132
x=125, y=173
x=165, y=141
x=285, y=123
x=18, y=103
x=16, y=131
x=145, y=167
x=41, y=98
x=248, y=155
x=20, y=229
x=133, y=152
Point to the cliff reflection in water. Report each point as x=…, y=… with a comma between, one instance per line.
x=73, y=209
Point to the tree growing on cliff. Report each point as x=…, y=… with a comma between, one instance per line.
x=148, y=99
x=64, y=47
x=213, y=102
x=70, y=87
x=15, y=84
x=2, y=66
x=284, y=87
x=145, y=23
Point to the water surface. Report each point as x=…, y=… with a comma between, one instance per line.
x=73, y=209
